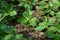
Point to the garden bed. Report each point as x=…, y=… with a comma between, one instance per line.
x=29, y=20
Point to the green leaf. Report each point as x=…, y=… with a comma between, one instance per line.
x=0, y=15
x=34, y=21
x=56, y=4
x=35, y=0
x=51, y=21
x=7, y=29
x=58, y=14
x=30, y=38
x=8, y=37
x=20, y=37
x=27, y=14
x=22, y=20
x=49, y=34
x=23, y=0
x=57, y=36
x=52, y=13
x=45, y=19
x=13, y=13
x=21, y=4
x=42, y=3
x=27, y=6
x=41, y=26
x=52, y=28
x=58, y=28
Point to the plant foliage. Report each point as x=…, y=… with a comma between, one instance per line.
x=39, y=14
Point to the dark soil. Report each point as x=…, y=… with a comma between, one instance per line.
x=37, y=35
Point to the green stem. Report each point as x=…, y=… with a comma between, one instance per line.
x=3, y=17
